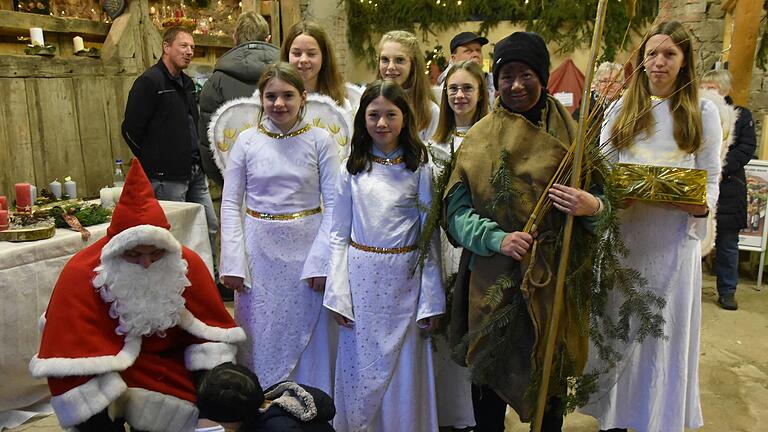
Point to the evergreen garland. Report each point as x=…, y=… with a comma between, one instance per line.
x=559, y=22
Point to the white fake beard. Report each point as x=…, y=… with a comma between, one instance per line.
x=145, y=301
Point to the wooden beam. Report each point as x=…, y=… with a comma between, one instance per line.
x=741, y=58
x=24, y=66
x=213, y=41
x=290, y=13
x=266, y=8
x=10, y=20
x=274, y=23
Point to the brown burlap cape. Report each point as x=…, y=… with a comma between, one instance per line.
x=533, y=155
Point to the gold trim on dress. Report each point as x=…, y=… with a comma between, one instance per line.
x=385, y=161
x=277, y=135
x=388, y=251
x=285, y=216
x=459, y=134
x=657, y=98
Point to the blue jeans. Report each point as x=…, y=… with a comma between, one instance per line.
x=195, y=190
x=727, y=261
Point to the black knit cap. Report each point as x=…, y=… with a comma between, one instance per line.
x=526, y=47
x=229, y=393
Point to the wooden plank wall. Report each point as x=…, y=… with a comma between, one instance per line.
x=61, y=116
x=57, y=127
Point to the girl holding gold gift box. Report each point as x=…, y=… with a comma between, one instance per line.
x=661, y=121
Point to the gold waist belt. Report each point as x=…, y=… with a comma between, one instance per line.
x=390, y=251
x=285, y=216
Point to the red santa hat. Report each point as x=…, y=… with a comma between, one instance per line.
x=138, y=218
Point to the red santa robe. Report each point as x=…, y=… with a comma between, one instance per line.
x=90, y=366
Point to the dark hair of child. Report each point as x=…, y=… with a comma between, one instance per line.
x=414, y=150
x=229, y=393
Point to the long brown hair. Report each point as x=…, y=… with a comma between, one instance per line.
x=447, y=122
x=636, y=115
x=329, y=79
x=414, y=151
x=418, y=90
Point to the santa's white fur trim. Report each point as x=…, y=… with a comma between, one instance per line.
x=83, y=402
x=195, y=327
x=140, y=235
x=208, y=355
x=64, y=367
x=157, y=412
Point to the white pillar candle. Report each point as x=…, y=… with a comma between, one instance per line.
x=107, y=197
x=70, y=188
x=32, y=193
x=116, y=192
x=55, y=188
x=77, y=41
x=36, y=36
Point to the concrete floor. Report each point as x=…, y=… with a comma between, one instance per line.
x=733, y=373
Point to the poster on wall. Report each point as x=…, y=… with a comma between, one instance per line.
x=753, y=237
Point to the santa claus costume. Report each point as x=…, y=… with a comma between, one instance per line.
x=128, y=338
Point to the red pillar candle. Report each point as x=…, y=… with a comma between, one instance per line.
x=3, y=202
x=23, y=196
x=3, y=220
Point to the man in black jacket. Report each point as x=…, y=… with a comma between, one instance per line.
x=732, y=204
x=160, y=127
x=236, y=74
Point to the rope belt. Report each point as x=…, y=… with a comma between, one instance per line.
x=285, y=216
x=389, y=251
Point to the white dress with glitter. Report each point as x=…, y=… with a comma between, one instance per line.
x=655, y=388
x=452, y=382
x=290, y=334
x=384, y=374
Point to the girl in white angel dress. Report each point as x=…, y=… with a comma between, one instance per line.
x=385, y=302
x=280, y=170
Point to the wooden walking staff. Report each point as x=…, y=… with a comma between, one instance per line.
x=554, y=319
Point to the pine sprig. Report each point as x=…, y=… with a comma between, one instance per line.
x=502, y=181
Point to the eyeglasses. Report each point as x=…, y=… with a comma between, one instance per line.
x=467, y=89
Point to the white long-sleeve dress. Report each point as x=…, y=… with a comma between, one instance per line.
x=453, y=384
x=384, y=376
x=290, y=334
x=655, y=388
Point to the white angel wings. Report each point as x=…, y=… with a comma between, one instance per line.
x=237, y=115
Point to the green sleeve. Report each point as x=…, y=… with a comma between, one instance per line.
x=480, y=235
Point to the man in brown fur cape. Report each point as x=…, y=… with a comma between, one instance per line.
x=505, y=285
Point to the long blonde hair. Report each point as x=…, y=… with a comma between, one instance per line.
x=447, y=122
x=636, y=116
x=417, y=87
x=329, y=80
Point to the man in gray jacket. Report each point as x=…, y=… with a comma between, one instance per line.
x=235, y=75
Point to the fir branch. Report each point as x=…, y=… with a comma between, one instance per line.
x=434, y=218
x=558, y=21
x=502, y=181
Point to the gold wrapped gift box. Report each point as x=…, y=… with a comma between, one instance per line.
x=661, y=184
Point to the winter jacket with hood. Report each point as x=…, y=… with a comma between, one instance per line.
x=732, y=204
x=294, y=408
x=235, y=75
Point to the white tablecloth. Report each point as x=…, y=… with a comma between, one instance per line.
x=28, y=272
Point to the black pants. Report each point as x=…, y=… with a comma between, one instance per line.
x=490, y=409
